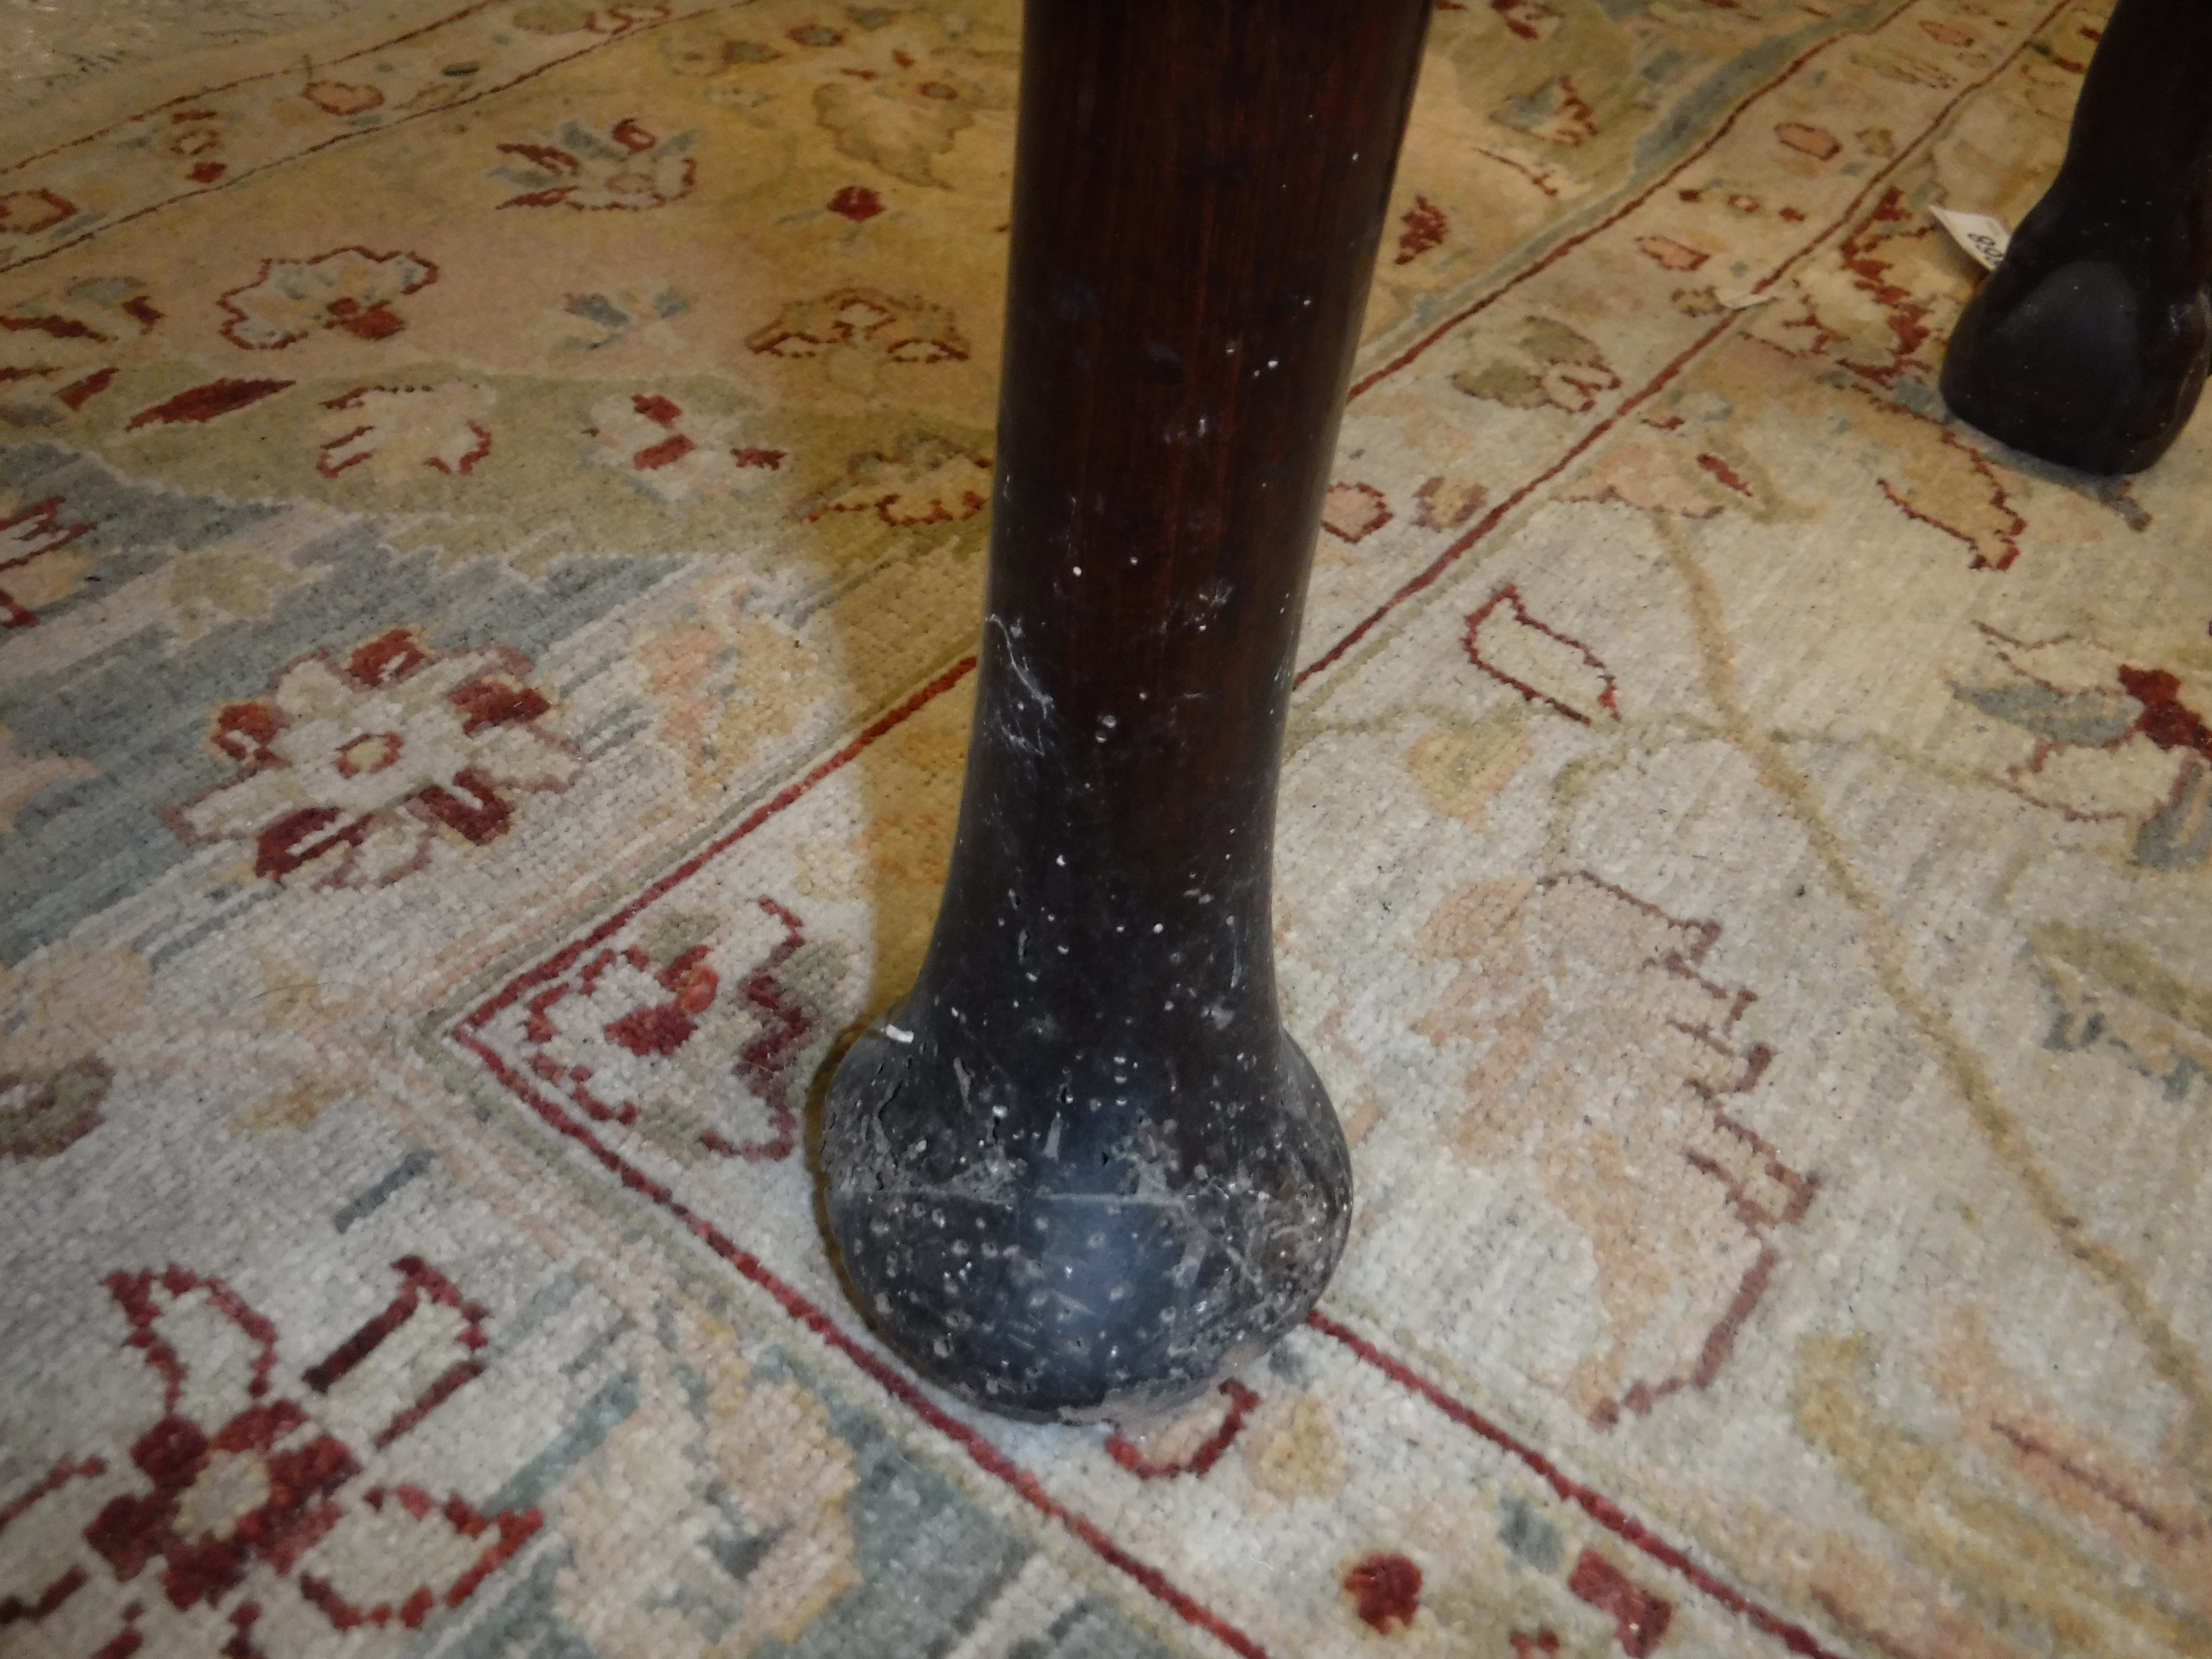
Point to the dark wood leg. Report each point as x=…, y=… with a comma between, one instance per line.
x=2089, y=344
x=1082, y=1169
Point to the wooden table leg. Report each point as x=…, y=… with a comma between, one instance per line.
x=1082, y=1169
x=2089, y=344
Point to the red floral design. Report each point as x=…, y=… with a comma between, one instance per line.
x=352, y=769
x=924, y=479
x=394, y=429
x=28, y=539
x=60, y=350
x=1544, y=665
x=1555, y=111
x=625, y=1037
x=2109, y=740
x=1640, y=1618
x=206, y=403
x=194, y=140
x=26, y=212
x=1423, y=227
x=349, y=288
x=626, y=167
x=1531, y=20
x=1386, y=1589
x=905, y=330
x=676, y=453
x=218, y=1512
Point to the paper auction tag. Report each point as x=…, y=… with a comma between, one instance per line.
x=1983, y=238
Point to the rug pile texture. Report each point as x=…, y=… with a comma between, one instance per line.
x=492, y=506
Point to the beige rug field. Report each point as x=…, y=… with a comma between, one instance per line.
x=492, y=508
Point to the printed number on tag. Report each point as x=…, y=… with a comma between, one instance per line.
x=1983, y=238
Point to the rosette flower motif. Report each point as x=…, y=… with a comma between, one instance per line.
x=247, y=1518
x=355, y=771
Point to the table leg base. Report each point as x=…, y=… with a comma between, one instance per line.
x=1109, y=1270
x=2079, y=360
x=2088, y=346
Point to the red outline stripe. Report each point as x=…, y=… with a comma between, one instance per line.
x=1491, y=520
x=107, y=225
x=1595, y=1505
x=246, y=80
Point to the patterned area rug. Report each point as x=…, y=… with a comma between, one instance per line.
x=492, y=499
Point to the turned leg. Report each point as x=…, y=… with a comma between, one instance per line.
x=1082, y=1169
x=2088, y=345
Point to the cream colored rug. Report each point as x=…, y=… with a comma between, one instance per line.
x=492, y=503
